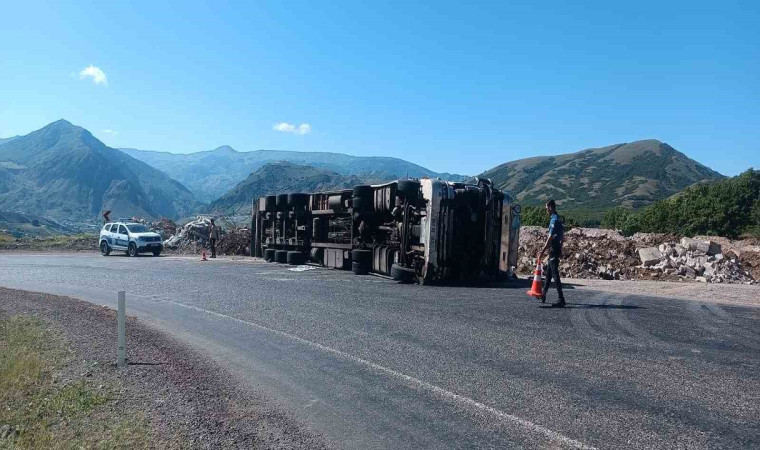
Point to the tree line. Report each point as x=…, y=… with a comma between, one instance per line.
x=729, y=207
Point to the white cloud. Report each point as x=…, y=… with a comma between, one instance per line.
x=107, y=131
x=97, y=75
x=285, y=127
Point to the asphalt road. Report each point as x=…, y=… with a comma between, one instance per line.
x=373, y=364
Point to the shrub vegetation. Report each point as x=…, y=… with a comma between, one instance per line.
x=728, y=207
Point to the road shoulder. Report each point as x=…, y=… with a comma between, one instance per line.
x=188, y=399
x=727, y=294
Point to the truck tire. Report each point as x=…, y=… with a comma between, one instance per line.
x=270, y=203
x=298, y=200
x=410, y=189
x=317, y=255
x=295, y=258
x=402, y=274
x=363, y=204
x=362, y=190
x=269, y=255
x=281, y=256
x=359, y=268
x=363, y=199
x=361, y=261
x=316, y=229
x=105, y=249
x=132, y=249
x=156, y=252
x=362, y=256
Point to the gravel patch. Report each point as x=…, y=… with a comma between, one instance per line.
x=189, y=400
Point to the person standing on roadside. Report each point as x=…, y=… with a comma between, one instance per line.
x=554, y=246
x=213, y=238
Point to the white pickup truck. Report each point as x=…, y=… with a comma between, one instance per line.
x=133, y=238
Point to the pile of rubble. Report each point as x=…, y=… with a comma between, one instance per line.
x=194, y=237
x=606, y=254
x=694, y=259
x=235, y=241
x=165, y=227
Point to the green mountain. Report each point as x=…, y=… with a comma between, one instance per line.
x=280, y=178
x=61, y=171
x=210, y=174
x=632, y=175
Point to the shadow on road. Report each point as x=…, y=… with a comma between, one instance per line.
x=121, y=254
x=519, y=283
x=593, y=306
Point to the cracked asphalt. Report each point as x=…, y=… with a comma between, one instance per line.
x=368, y=363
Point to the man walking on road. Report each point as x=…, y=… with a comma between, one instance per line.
x=213, y=238
x=554, y=245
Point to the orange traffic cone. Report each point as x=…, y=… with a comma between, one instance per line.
x=537, y=289
x=203, y=255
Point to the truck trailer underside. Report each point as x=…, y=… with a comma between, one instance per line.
x=412, y=230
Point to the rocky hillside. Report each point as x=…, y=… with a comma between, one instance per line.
x=633, y=174
x=20, y=225
x=281, y=177
x=212, y=173
x=61, y=171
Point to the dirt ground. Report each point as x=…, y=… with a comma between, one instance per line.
x=189, y=401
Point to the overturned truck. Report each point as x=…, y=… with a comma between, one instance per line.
x=425, y=230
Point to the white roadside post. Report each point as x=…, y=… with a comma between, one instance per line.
x=121, y=346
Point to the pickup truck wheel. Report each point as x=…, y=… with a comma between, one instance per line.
x=359, y=268
x=269, y=255
x=402, y=274
x=132, y=249
x=156, y=252
x=105, y=249
x=281, y=256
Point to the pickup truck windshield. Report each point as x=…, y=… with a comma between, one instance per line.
x=137, y=228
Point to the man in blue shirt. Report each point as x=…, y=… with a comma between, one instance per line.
x=554, y=245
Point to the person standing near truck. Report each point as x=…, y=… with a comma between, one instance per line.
x=213, y=237
x=554, y=246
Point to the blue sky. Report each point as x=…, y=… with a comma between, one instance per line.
x=452, y=86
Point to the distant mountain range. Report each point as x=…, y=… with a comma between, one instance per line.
x=62, y=172
x=633, y=175
x=277, y=178
x=211, y=174
x=5, y=140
